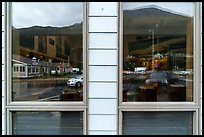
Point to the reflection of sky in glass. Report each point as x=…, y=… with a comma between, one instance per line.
x=27, y=14
x=184, y=8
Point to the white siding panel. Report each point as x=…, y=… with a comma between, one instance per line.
x=201, y=59
x=3, y=23
x=201, y=83
x=3, y=8
x=3, y=105
x=3, y=39
x=103, y=24
x=102, y=83
x=3, y=55
x=201, y=117
x=102, y=106
x=102, y=57
x=3, y=89
x=102, y=122
x=201, y=27
x=103, y=9
x=102, y=73
x=102, y=90
x=103, y=40
x=3, y=61
x=3, y=124
x=102, y=132
x=3, y=72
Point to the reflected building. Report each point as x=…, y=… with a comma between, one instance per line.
x=156, y=39
x=59, y=48
x=172, y=43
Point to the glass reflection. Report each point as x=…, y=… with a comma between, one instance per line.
x=157, y=123
x=47, y=51
x=47, y=123
x=157, y=51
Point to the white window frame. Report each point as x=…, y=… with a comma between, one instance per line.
x=13, y=106
x=166, y=106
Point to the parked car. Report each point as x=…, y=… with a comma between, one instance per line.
x=75, y=82
x=53, y=72
x=140, y=70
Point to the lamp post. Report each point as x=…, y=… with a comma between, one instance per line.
x=152, y=31
x=153, y=50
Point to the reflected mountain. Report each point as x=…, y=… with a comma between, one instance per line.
x=49, y=30
x=169, y=29
x=141, y=21
x=56, y=43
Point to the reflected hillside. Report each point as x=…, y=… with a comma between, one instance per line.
x=150, y=26
x=146, y=18
x=49, y=30
x=58, y=44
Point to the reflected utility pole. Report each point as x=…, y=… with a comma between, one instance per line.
x=153, y=50
x=152, y=31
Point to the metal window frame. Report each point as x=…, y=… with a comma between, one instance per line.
x=42, y=106
x=166, y=106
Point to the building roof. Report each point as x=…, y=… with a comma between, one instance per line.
x=28, y=61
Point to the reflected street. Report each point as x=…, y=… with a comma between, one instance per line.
x=41, y=89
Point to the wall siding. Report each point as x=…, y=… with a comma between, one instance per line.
x=109, y=41
x=102, y=54
x=201, y=73
x=3, y=70
x=102, y=90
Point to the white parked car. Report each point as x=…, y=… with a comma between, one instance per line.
x=53, y=72
x=75, y=82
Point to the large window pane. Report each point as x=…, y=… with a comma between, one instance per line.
x=158, y=51
x=47, y=123
x=157, y=123
x=47, y=51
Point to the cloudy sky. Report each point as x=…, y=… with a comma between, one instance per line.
x=27, y=14
x=185, y=8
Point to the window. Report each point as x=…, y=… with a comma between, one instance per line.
x=36, y=70
x=157, y=123
x=42, y=44
x=158, y=52
x=29, y=69
x=47, y=123
x=157, y=85
x=51, y=41
x=15, y=69
x=62, y=28
x=21, y=69
x=41, y=100
x=33, y=69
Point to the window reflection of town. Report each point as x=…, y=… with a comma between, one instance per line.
x=157, y=55
x=45, y=59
